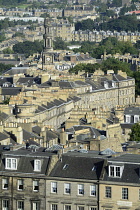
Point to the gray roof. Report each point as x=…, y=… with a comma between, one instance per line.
x=126, y=158
x=132, y=110
x=10, y=91
x=6, y=80
x=16, y=70
x=29, y=135
x=36, y=129
x=94, y=133
x=26, y=159
x=126, y=125
x=3, y=136
x=83, y=167
x=51, y=135
x=3, y=116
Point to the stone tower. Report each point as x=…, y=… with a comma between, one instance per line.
x=47, y=55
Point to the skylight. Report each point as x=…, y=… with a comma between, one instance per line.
x=65, y=166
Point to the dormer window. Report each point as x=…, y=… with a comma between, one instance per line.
x=11, y=163
x=127, y=118
x=136, y=118
x=115, y=171
x=37, y=165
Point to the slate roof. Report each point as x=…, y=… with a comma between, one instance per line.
x=92, y=131
x=29, y=135
x=131, y=164
x=126, y=125
x=78, y=167
x=16, y=70
x=29, y=81
x=51, y=135
x=6, y=80
x=10, y=91
x=3, y=136
x=36, y=129
x=26, y=159
x=95, y=85
x=65, y=84
x=3, y=116
x=132, y=111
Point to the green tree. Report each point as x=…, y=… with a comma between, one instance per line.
x=4, y=67
x=135, y=132
x=59, y=44
x=28, y=47
x=2, y=37
x=136, y=75
x=102, y=7
x=86, y=67
x=19, y=34
x=110, y=13
x=8, y=51
x=45, y=15
x=115, y=64
x=123, y=23
x=117, y=3
x=85, y=24
x=6, y=101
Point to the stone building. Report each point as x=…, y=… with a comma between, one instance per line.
x=23, y=178
x=78, y=10
x=120, y=187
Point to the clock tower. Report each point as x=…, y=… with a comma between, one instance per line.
x=47, y=55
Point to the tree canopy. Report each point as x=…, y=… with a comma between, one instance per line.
x=4, y=67
x=59, y=44
x=109, y=64
x=11, y=2
x=28, y=47
x=135, y=132
x=110, y=44
x=123, y=23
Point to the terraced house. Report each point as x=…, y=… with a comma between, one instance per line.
x=34, y=178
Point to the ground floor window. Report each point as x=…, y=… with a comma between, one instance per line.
x=54, y=207
x=5, y=205
x=20, y=205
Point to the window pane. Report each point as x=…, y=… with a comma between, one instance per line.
x=37, y=166
x=5, y=205
x=80, y=189
x=4, y=183
x=20, y=184
x=54, y=207
x=54, y=187
x=35, y=206
x=20, y=205
x=124, y=193
x=81, y=208
x=111, y=171
x=8, y=163
x=108, y=192
x=11, y=163
x=67, y=207
x=67, y=188
x=93, y=190
x=118, y=171
x=36, y=185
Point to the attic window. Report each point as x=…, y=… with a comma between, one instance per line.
x=11, y=163
x=37, y=165
x=65, y=166
x=115, y=171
